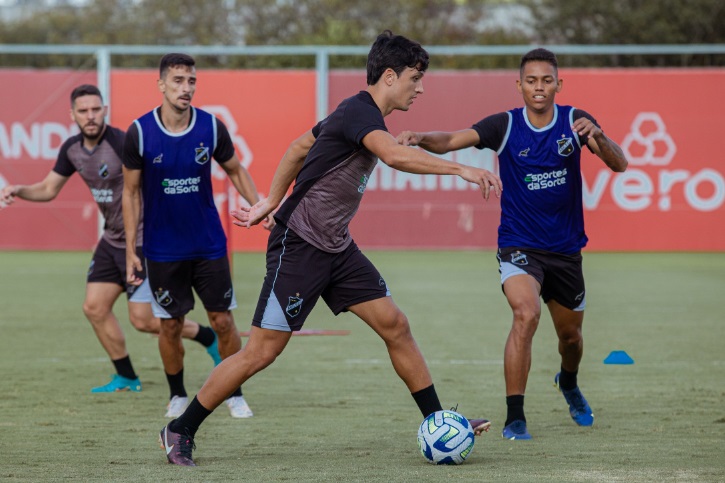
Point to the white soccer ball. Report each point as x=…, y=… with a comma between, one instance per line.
x=445, y=438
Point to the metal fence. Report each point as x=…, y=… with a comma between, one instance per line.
x=322, y=53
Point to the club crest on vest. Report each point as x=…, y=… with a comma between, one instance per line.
x=566, y=146
x=201, y=155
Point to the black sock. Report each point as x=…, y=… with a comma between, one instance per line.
x=192, y=418
x=205, y=336
x=176, y=384
x=427, y=400
x=124, y=368
x=567, y=380
x=237, y=392
x=514, y=409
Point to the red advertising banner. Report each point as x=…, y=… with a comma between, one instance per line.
x=670, y=198
x=34, y=123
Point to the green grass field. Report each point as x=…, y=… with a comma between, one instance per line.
x=331, y=407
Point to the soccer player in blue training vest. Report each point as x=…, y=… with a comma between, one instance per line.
x=167, y=156
x=311, y=254
x=95, y=154
x=542, y=222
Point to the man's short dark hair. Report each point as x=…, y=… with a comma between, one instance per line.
x=541, y=55
x=84, y=90
x=395, y=52
x=173, y=60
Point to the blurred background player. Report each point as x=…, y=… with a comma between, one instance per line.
x=542, y=223
x=94, y=154
x=167, y=156
x=311, y=254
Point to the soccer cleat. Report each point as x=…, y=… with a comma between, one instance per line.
x=118, y=384
x=579, y=408
x=213, y=351
x=479, y=426
x=176, y=406
x=516, y=430
x=178, y=447
x=238, y=407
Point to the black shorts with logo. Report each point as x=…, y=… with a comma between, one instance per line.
x=108, y=265
x=298, y=274
x=171, y=284
x=560, y=276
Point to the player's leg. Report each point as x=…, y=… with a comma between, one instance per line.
x=171, y=301
x=522, y=294
x=391, y=324
x=521, y=276
x=104, y=285
x=564, y=294
x=213, y=283
x=262, y=348
x=97, y=307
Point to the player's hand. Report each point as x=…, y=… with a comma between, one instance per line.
x=408, y=138
x=133, y=265
x=485, y=179
x=586, y=129
x=7, y=196
x=248, y=216
x=269, y=222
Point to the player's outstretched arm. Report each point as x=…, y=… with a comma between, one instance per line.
x=439, y=142
x=606, y=149
x=287, y=170
x=411, y=160
x=243, y=182
x=131, y=204
x=45, y=190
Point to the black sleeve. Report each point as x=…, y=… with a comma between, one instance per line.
x=579, y=113
x=224, y=145
x=316, y=129
x=63, y=166
x=132, y=159
x=492, y=130
x=360, y=119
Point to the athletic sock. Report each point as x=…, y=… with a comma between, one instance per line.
x=192, y=418
x=567, y=380
x=236, y=393
x=514, y=409
x=176, y=384
x=205, y=336
x=124, y=368
x=427, y=400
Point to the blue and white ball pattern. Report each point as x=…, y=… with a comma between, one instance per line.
x=445, y=438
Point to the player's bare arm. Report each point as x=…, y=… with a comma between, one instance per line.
x=287, y=170
x=440, y=142
x=606, y=149
x=410, y=160
x=45, y=190
x=243, y=182
x=131, y=203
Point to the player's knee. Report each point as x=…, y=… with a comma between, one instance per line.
x=222, y=323
x=571, y=338
x=526, y=321
x=398, y=327
x=144, y=323
x=94, y=311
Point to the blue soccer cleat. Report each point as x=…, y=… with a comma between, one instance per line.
x=118, y=384
x=579, y=408
x=213, y=351
x=516, y=430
